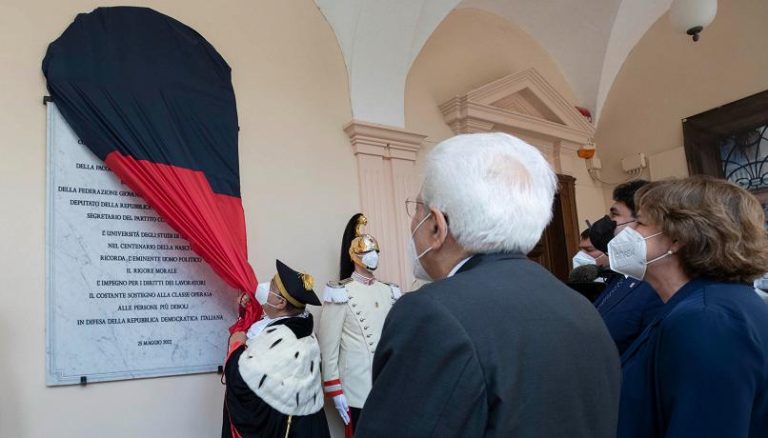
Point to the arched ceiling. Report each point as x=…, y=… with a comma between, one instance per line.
x=574, y=33
x=380, y=40
x=633, y=20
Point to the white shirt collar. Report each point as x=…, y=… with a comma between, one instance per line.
x=258, y=326
x=458, y=266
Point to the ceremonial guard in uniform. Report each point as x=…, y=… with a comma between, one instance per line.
x=354, y=310
x=273, y=378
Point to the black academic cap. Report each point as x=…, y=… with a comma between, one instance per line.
x=296, y=287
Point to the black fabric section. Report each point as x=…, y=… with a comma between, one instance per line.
x=299, y=325
x=355, y=416
x=136, y=81
x=602, y=232
x=252, y=417
x=346, y=265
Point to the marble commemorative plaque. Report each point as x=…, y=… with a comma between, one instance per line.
x=126, y=297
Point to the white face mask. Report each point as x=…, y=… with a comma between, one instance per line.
x=268, y=304
x=418, y=269
x=370, y=260
x=627, y=253
x=582, y=259
x=262, y=291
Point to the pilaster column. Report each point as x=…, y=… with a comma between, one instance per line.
x=387, y=176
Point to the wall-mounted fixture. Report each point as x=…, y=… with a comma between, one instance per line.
x=585, y=112
x=587, y=151
x=692, y=16
x=634, y=163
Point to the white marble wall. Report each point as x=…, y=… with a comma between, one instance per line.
x=126, y=297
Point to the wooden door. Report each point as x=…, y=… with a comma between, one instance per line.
x=560, y=240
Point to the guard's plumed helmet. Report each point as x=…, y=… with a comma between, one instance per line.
x=362, y=243
x=357, y=248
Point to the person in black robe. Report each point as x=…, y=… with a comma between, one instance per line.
x=272, y=375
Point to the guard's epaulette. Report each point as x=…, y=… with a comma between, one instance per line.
x=395, y=288
x=336, y=292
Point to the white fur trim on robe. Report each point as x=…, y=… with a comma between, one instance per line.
x=284, y=371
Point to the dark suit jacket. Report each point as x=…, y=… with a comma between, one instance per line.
x=500, y=349
x=627, y=307
x=701, y=368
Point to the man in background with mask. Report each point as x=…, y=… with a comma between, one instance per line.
x=627, y=305
x=588, y=254
x=496, y=345
x=354, y=310
x=589, y=267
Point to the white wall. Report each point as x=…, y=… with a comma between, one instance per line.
x=299, y=187
x=668, y=77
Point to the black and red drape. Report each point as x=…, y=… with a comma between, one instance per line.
x=154, y=100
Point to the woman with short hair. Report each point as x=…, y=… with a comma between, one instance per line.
x=701, y=367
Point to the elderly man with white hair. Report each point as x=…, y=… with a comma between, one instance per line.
x=495, y=345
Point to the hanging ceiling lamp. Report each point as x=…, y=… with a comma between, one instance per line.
x=692, y=16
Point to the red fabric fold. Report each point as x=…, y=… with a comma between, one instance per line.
x=349, y=428
x=214, y=224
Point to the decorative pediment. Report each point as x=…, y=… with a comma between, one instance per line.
x=523, y=102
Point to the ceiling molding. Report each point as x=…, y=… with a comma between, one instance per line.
x=384, y=141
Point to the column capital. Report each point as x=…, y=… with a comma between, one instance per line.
x=383, y=141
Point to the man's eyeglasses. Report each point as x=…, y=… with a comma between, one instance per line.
x=411, y=206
